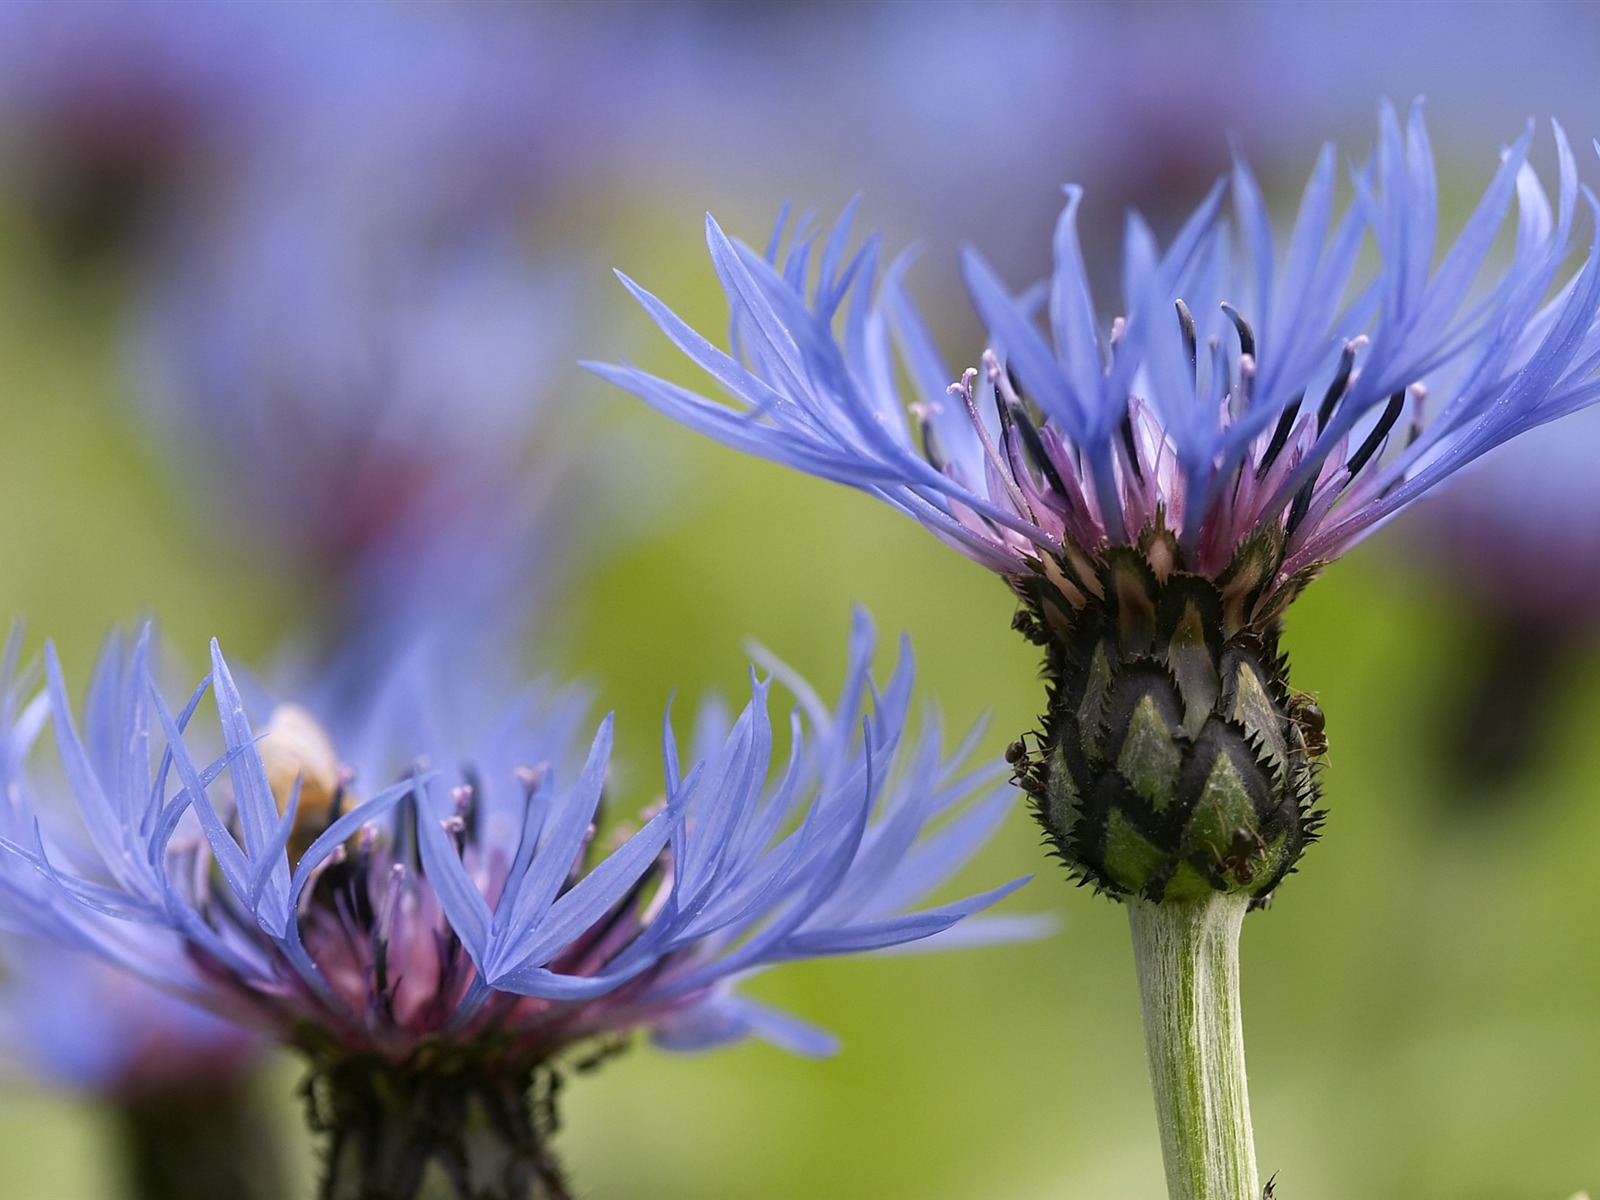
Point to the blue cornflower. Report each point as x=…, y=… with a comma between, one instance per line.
x=384, y=452
x=1514, y=541
x=176, y=1080
x=1518, y=535
x=70, y=1020
x=1156, y=490
x=460, y=928
x=176, y=1083
x=119, y=110
x=1194, y=404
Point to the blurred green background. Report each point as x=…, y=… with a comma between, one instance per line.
x=1423, y=999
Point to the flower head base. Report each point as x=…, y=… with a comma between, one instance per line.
x=1174, y=758
x=71, y=1020
x=480, y=917
x=1157, y=491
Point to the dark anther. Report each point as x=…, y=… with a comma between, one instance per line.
x=930, y=446
x=1302, y=503
x=1391, y=414
x=1011, y=378
x=1222, y=368
x=1017, y=417
x=1280, y=435
x=380, y=965
x=469, y=813
x=1336, y=389
x=1130, y=446
x=1005, y=412
x=625, y=909
x=405, y=836
x=1190, y=339
x=1247, y=337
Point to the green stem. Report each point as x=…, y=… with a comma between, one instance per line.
x=1187, y=956
x=199, y=1143
x=435, y=1130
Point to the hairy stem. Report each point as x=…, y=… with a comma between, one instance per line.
x=435, y=1131
x=1187, y=957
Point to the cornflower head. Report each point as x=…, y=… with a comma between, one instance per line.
x=437, y=943
x=175, y=1080
x=1514, y=534
x=384, y=456
x=118, y=113
x=176, y=1084
x=1513, y=542
x=1157, y=489
x=70, y=1020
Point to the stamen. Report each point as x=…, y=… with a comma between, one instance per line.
x=1247, y=381
x=1130, y=446
x=1190, y=338
x=456, y=828
x=1297, y=510
x=1380, y=431
x=1014, y=414
x=1222, y=368
x=1419, y=396
x=930, y=443
x=380, y=968
x=1034, y=445
x=963, y=388
x=467, y=805
x=533, y=778
x=1247, y=337
x=1340, y=384
x=1280, y=435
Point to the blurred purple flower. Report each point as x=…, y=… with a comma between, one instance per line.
x=1515, y=541
x=960, y=116
x=175, y=1080
x=107, y=101
x=1518, y=534
x=176, y=1084
x=478, y=104
x=348, y=326
x=71, y=1020
x=362, y=387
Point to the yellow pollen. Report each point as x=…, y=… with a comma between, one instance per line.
x=296, y=747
